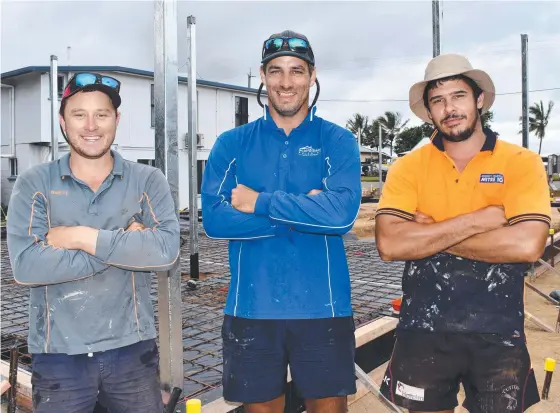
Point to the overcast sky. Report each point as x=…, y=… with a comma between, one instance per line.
x=365, y=51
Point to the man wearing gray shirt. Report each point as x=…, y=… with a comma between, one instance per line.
x=84, y=233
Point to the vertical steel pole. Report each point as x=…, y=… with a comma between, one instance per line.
x=166, y=157
x=524, y=90
x=380, y=159
x=54, y=107
x=435, y=28
x=192, y=145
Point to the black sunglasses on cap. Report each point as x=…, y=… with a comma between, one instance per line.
x=287, y=46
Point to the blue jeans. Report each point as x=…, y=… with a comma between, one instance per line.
x=123, y=380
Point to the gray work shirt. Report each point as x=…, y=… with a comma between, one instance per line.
x=80, y=303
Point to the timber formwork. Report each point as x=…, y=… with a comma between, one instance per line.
x=374, y=284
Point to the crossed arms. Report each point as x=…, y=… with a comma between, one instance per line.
x=482, y=236
x=234, y=211
x=42, y=255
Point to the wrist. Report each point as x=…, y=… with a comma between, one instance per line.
x=262, y=204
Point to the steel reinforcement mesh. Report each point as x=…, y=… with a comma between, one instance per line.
x=374, y=285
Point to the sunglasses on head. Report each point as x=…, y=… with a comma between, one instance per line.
x=82, y=80
x=276, y=44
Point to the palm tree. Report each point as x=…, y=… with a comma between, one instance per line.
x=358, y=126
x=392, y=124
x=538, y=120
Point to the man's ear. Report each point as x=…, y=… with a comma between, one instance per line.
x=480, y=101
x=313, y=77
x=118, y=117
x=263, y=75
x=62, y=123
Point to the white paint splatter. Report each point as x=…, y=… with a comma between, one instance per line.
x=434, y=309
x=492, y=286
x=408, y=301
x=438, y=286
x=110, y=323
x=447, y=276
x=74, y=294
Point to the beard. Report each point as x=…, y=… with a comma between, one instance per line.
x=90, y=154
x=289, y=111
x=461, y=135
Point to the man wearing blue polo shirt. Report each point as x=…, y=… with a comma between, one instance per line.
x=284, y=189
x=84, y=233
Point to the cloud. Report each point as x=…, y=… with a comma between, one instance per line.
x=372, y=50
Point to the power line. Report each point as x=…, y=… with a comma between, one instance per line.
x=406, y=100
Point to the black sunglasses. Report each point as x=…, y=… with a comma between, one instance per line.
x=82, y=80
x=295, y=44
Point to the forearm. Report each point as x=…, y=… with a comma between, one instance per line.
x=41, y=264
x=409, y=240
x=222, y=221
x=508, y=244
x=328, y=212
x=143, y=250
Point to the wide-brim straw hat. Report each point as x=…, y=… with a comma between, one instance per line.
x=449, y=65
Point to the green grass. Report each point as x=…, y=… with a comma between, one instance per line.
x=370, y=179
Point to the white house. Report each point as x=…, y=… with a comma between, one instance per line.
x=26, y=116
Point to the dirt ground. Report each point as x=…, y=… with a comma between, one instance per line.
x=541, y=344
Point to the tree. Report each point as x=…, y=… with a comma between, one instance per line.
x=373, y=136
x=392, y=124
x=410, y=137
x=486, y=118
x=538, y=120
x=358, y=126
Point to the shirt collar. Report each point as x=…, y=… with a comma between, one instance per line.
x=64, y=165
x=489, y=143
x=269, y=122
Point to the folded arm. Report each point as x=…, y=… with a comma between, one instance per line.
x=155, y=248
x=219, y=218
x=33, y=261
x=399, y=239
x=335, y=208
x=523, y=242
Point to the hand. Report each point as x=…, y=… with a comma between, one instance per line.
x=73, y=238
x=136, y=226
x=421, y=218
x=244, y=198
x=489, y=218
x=314, y=192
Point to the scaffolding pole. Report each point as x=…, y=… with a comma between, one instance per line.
x=166, y=157
x=435, y=28
x=192, y=145
x=54, y=107
x=524, y=91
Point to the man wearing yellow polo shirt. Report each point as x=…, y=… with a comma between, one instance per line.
x=467, y=213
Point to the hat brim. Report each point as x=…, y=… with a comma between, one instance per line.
x=482, y=79
x=109, y=91
x=286, y=53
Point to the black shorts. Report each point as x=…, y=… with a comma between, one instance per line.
x=320, y=353
x=426, y=368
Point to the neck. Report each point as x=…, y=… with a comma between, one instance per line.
x=92, y=171
x=288, y=123
x=464, y=151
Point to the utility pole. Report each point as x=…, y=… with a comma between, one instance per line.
x=166, y=157
x=380, y=160
x=435, y=28
x=54, y=107
x=193, y=128
x=249, y=76
x=524, y=90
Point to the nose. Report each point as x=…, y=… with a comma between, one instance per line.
x=91, y=123
x=285, y=81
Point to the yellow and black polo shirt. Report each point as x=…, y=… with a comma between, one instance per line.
x=445, y=292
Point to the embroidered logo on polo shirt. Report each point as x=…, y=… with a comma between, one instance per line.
x=491, y=178
x=309, y=151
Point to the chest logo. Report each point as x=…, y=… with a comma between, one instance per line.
x=491, y=178
x=309, y=151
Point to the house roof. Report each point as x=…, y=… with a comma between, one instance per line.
x=121, y=69
x=365, y=149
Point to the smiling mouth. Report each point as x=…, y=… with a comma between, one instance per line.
x=452, y=121
x=91, y=138
x=286, y=94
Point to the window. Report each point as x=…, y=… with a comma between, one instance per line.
x=13, y=167
x=153, y=106
x=241, y=111
x=150, y=162
x=60, y=86
x=199, y=172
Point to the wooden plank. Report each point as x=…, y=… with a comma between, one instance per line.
x=539, y=322
x=363, y=334
x=543, y=295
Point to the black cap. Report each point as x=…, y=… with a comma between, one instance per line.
x=109, y=91
x=308, y=57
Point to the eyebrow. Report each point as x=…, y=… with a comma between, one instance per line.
x=301, y=67
x=457, y=92
x=83, y=110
